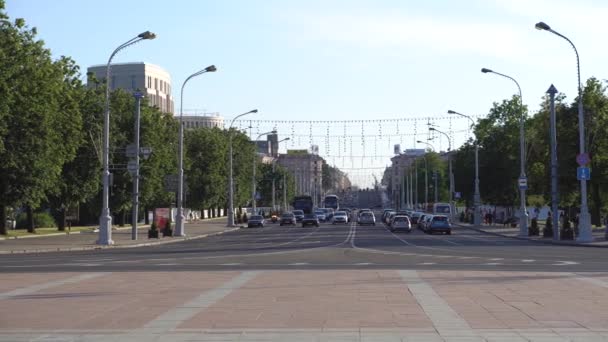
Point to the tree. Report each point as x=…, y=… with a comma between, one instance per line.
x=37, y=101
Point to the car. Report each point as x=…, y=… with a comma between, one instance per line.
x=401, y=222
x=256, y=221
x=439, y=223
x=415, y=216
x=321, y=215
x=423, y=221
x=367, y=218
x=385, y=214
x=329, y=213
x=388, y=216
x=340, y=217
x=288, y=218
x=299, y=214
x=310, y=219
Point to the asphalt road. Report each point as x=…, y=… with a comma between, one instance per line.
x=327, y=247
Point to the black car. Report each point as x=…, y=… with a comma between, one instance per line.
x=310, y=219
x=299, y=214
x=255, y=221
x=288, y=218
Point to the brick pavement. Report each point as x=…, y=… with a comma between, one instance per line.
x=121, y=237
x=370, y=305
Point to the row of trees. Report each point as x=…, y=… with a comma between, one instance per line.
x=498, y=137
x=50, y=142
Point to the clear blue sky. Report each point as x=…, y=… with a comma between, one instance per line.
x=339, y=60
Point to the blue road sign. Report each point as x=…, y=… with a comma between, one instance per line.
x=583, y=173
x=523, y=183
x=583, y=159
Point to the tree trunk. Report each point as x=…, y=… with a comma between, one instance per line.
x=30, y=220
x=121, y=218
x=61, y=220
x=3, y=228
x=597, y=205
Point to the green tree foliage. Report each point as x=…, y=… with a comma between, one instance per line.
x=38, y=101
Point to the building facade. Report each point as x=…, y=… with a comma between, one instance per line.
x=208, y=120
x=151, y=80
x=307, y=170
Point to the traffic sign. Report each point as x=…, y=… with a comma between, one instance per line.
x=523, y=183
x=583, y=173
x=583, y=159
x=457, y=195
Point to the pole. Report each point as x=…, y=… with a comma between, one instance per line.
x=135, y=212
x=231, y=185
x=105, y=220
x=452, y=209
x=273, y=186
x=416, y=183
x=403, y=182
x=284, y=194
x=553, y=138
x=253, y=184
x=436, y=175
x=477, y=195
x=426, y=182
x=179, y=217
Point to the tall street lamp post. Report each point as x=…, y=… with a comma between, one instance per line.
x=476, y=195
x=179, y=219
x=230, y=172
x=523, y=216
x=585, y=234
x=273, y=180
x=451, y=175
x=255, y=157
x=426, y=174
x=105, y=219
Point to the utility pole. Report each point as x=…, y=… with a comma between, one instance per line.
x=553, y=138
x=134, y=219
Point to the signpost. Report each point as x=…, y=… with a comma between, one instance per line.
x=583, y=173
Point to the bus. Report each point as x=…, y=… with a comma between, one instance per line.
x=304, y=203
x=331, y=201
x=438, y=208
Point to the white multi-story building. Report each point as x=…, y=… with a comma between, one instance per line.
x=196, y=120
x=306, y=168
x=151, y=80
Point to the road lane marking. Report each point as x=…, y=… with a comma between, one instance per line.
x=496, y=259
x=298, y=264
x=593, y=281
x=528, y=260
x=232, y=264
x=565, y=263
x=427, y=263
x=492, y=263
x=446, y=321
x=55, y=283
x=364, y=263
x=176, y=316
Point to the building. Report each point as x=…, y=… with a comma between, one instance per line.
x=208, y=120
x=153, y=81
x=270, y=146
x=307, y=170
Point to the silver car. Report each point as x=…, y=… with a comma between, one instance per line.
x=367, y=217
x=401, y=222
x=340, y=217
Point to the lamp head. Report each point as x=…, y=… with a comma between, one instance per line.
x=147, y=35
x=286, y=139
x=432, y=129
x=542, y=26
x=211, y=68
x=420, y=142
x=451, y=112
x=274, y=131
x=252, y=111
x=486, y=70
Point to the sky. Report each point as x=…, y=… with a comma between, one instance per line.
x=337, y=60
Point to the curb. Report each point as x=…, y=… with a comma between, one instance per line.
x=90, y=248
x=546, y=242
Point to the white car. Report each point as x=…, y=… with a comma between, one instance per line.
x=340, y=217
x=367, y=217
x=401, y=222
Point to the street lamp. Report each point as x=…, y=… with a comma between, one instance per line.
x=179, y=219
x=273, y=180
x=451, y=176
x=585, y=234
x=476, y=195
x=255, y=157
x=230, y=175
x=523, y=216
x=105, y=219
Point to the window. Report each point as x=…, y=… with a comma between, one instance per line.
x=149, y=82
x=133, y=84
x=156, y=83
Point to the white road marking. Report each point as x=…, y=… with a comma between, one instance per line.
x=298, y=264
x=176, y=316
x=492, y=263
x=528, y=260
x=44, y=286
x=232, y=264
x=169, y=264
x=496, y=259
x=593, y=281
x=446, y=321
x=427, y=263
x=364, y=263
x=565, y=263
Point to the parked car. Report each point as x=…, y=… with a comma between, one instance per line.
x=299, y=214
x=340, y=217
x=288, y=218
x=321, y=215
x=401, y=222
x=310, y=219
x=256, y=221
x=439, y=223
x=388, y=216
x=367, y=217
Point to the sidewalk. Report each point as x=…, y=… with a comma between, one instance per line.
x=500, y=230
x=85, y=240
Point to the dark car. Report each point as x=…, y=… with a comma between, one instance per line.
x=415, y=216
x=288, y=218
x=255, y=221
x=310, y=219
x=299, y=214
x=439, y=223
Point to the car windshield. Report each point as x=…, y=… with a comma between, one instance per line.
x=310, y=216
x=440, y=219
x=319, y=212
x=298, y=212
x=401, y=219
x=256, y=217
x=340, y=213
x=287, y=215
